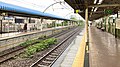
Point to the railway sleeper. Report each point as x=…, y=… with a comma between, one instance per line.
x=40, y=65
x=50, y=59
x=47, y=62
x=57, y=50
x=52, y=56
x=55, y=54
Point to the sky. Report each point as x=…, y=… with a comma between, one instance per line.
x=63, y=9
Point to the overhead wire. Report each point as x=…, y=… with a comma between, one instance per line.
x=29, y=3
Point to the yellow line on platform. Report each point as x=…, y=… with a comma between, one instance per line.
x=79, y=59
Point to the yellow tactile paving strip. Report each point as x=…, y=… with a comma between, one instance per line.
x=79, y=59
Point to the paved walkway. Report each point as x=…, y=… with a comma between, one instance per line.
x=67, y=58
x=104, y=49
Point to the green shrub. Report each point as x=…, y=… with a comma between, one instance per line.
x=30, y=50
x=40, y=46
x=50, y=41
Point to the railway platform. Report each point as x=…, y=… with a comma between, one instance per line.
x=68, y=57
x=104, y=49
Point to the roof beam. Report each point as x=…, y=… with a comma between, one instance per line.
x=93, y=12
x=104, y=5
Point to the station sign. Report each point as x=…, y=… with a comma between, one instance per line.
x=8, y=18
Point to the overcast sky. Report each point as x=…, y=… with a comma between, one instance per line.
x=63, y=10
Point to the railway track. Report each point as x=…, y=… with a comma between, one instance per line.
x=48, y=59
x=8, y=55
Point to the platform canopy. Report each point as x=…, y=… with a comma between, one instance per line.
x=13, y=10
x=96, y=8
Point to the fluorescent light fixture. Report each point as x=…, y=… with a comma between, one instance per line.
x=95, y=9
x=95, y=1
x=100, y=1
x=92, y=9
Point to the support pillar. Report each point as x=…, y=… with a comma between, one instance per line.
x=1, y=27
x=38, y=24
x=26, y=22
x=45, y=23
x=58, y=23
x=106, y=23
x=86, y=25
x=86, y=59
x=72, y=23
x=55, y=23
x=8, y=27
x=117, y=14
x=1, y=18
x=68, y=22
x=63, y=23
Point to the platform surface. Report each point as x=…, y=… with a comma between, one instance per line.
x=104, y=49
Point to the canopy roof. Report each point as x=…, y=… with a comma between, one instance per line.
x=96, y=8
x=21, y=11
